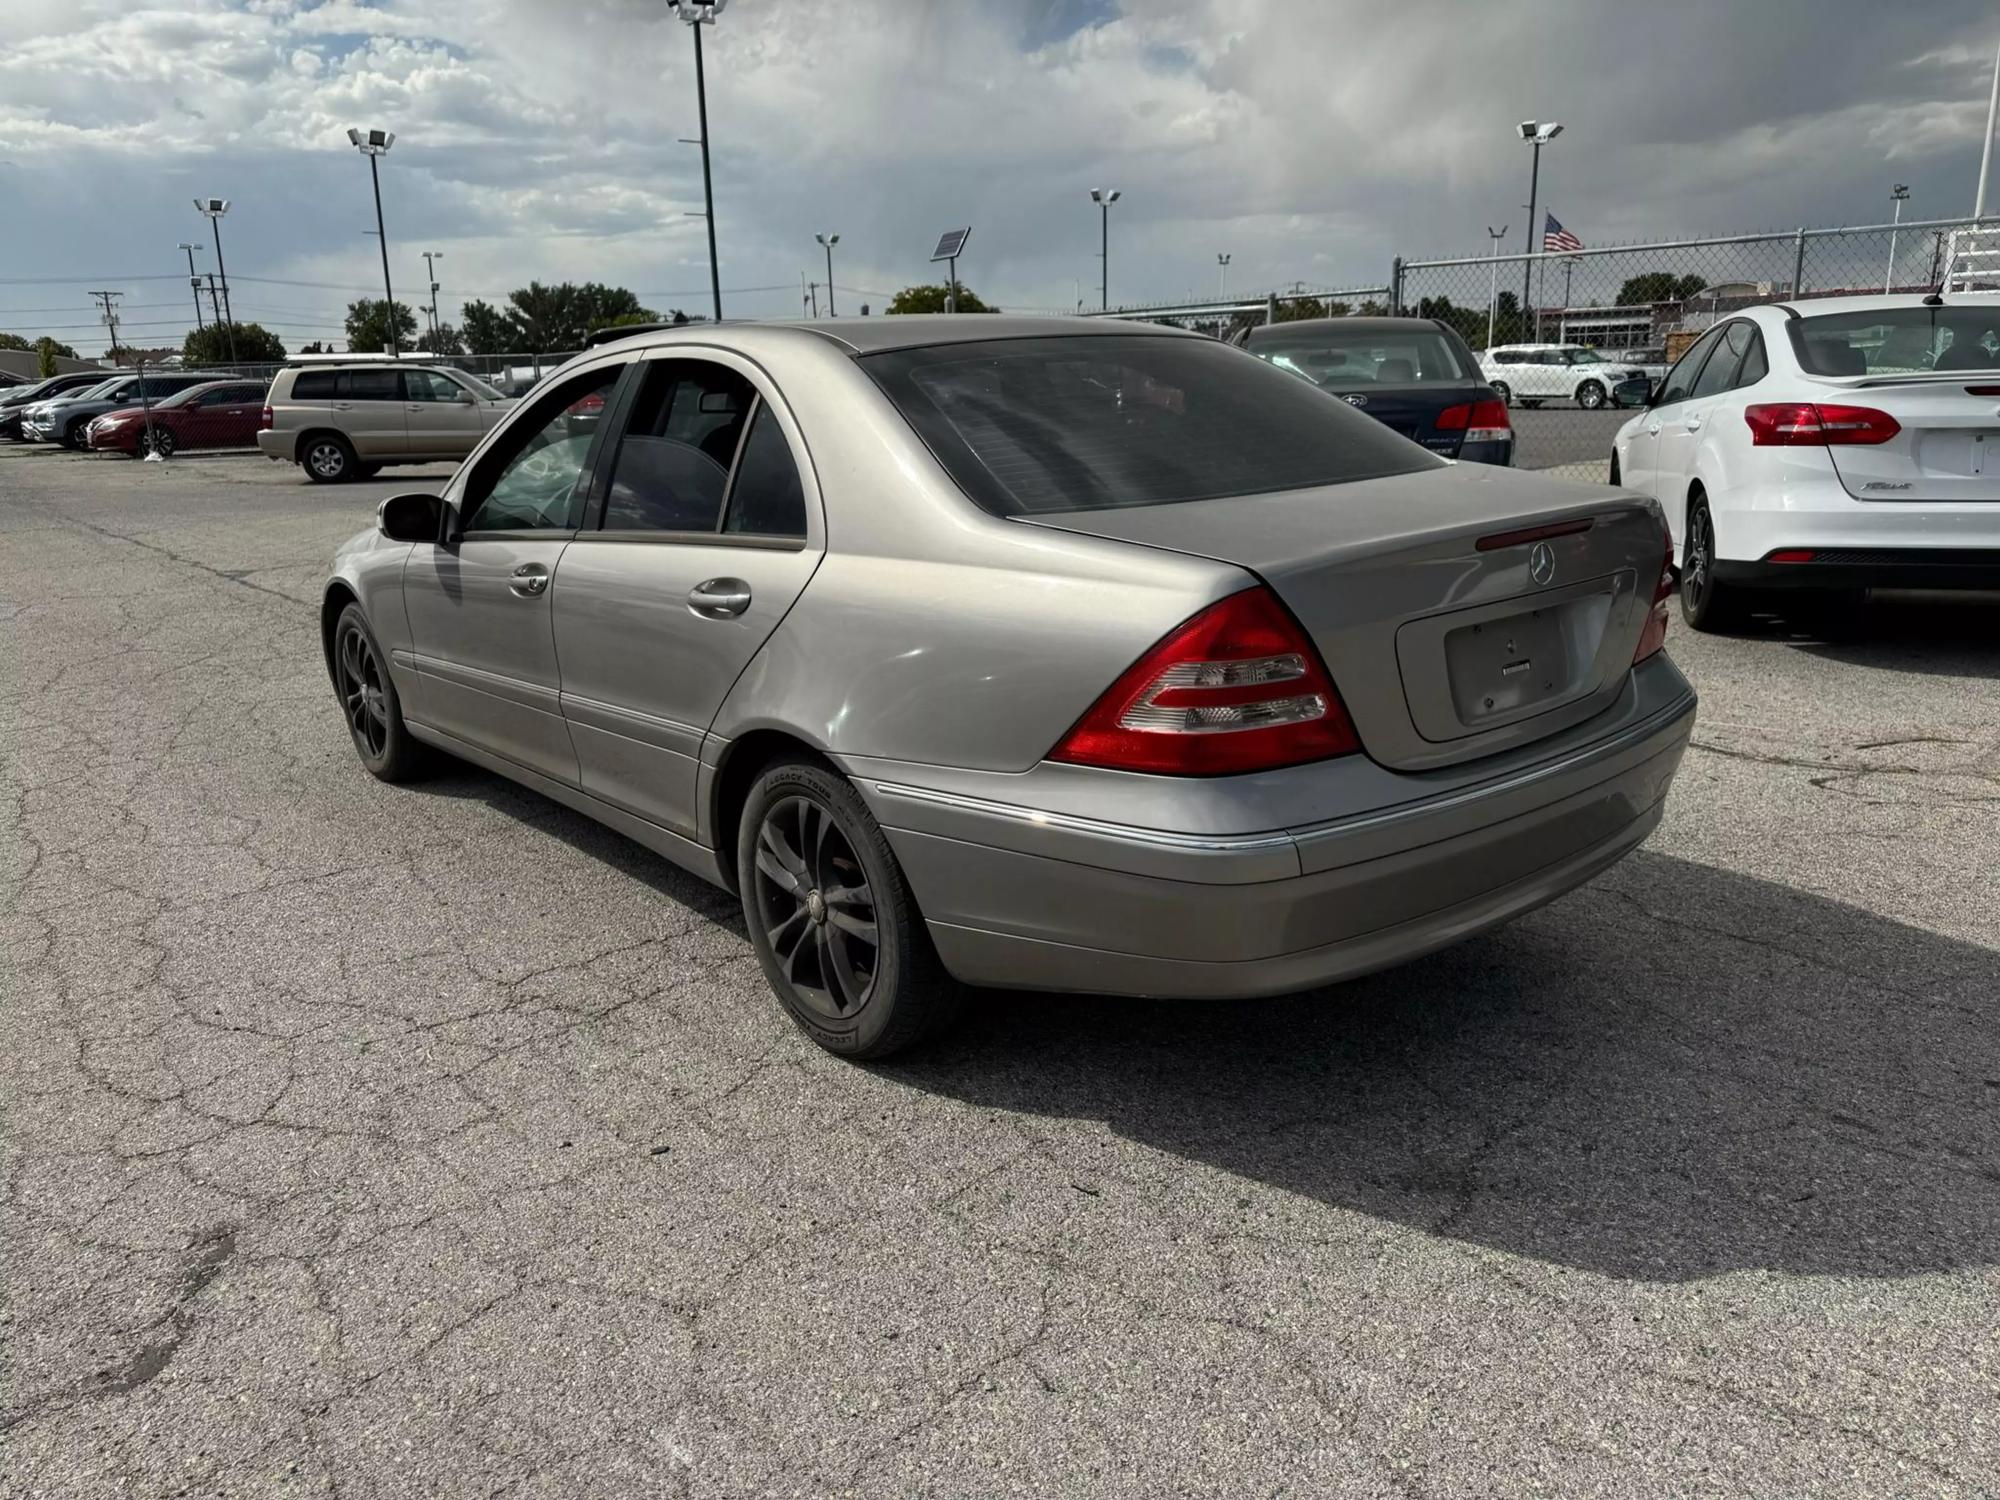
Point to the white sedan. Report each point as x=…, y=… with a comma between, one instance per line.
x=1837, y=444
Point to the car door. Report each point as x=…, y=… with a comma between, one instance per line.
x=1681, y=432
x=478, y=601
x=221, y=418
x=443, y=417
x=1639, y=468
x=704, y=534
x=368, y=410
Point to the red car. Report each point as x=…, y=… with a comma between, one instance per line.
x=215, y=414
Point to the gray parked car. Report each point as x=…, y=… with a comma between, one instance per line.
x=1023, y=652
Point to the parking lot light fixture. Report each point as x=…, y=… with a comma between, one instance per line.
x=1493, y=280
x=1537, y=133
x=375, y=144
x=1222, y=278
x=212, y=209
x=697, y=14
x=827, y=242
x=1104, y=198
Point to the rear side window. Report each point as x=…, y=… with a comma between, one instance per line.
x=1755, y=366
x=1720, y=371
x=672, y=468
x=1099, y=422
x=1680, y=379
x=314, y=385
x=767, y=498
x=371, y=385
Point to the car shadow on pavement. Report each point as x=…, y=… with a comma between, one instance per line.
x=1953, y=635
x=1673, y=1073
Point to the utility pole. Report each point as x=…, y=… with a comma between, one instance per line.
x=110, y=301
x=813, y=288
x=430, y=275
x=1986, y=143
x=194, y=281
x=214, y=299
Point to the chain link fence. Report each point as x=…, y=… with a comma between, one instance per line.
x=1564, y=334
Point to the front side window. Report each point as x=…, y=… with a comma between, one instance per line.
x=1100, y=421
x=530, y=475
x=429, y=386
x=1680, y=379
x=672, y=468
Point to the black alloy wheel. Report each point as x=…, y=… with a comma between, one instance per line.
x=369, y=704
x=831, y=917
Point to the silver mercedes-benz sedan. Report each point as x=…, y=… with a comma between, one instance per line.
x=1025, y=652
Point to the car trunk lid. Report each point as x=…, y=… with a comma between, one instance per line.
x=1948, y=448
x=1413, y=410
x=1461, y=612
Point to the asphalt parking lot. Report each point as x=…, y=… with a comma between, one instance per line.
x=434, y=1142
x=1566, y=437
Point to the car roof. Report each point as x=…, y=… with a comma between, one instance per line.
x=1369, y=324
x=877, y=335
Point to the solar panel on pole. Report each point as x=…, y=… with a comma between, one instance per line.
x=950, y=245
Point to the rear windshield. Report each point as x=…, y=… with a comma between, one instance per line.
x=1099, y=422
x=1342, y=361
x=1899, y=340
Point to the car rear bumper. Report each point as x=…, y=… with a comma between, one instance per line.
x=1020, y=898
x=1873, y=567
x=278, y=445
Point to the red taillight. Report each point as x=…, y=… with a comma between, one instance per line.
x=264, y=420
x=590, y=406
x=1790, y=555
x=1654, y=635
x=1237, y=688
x=1802, y=424
x=1482, y=421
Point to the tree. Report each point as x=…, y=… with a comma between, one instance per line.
x=930, y=299
x=1298, y=309
x=15, y=342
x=1658, y=286
x=488, y=330
x=445, y=341
x=315, y=347
x=253, y=344
x=47, y=351
x=368, y=326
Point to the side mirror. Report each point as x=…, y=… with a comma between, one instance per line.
x=410, y=518
x=466, y=398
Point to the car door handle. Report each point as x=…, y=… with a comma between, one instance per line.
x=1652, y=429
x=720, y=598
x=529, y=580
x=343, y=406
x=1691, y=422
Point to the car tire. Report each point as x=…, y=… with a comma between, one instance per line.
x=1534, y=405
x=1590, y=396
x=1706, y=603
x=327, y=458
x=368, y=702
x=1501, y=389
x=367, y=471
x=161, y=442
x=73, y=435
x=1614, y=468
x=805, y=831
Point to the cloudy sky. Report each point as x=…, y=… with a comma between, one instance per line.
x=1309, y=139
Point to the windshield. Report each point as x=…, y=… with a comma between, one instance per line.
x=1097, y=422
x=1899, y=340
x=90, y=392
x=1342, y=361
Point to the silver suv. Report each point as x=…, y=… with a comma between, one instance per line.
x=346, y=421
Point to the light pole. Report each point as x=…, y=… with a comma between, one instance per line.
x=1104, y=198
x=827, y=242
x=374, y=145
x=212, y=209
x=1898, y=195
x=1493, y=280
x=1537, y=133
x=1986, y=142
x=1222, y=278
x=194, y=281
x=430, y=275
x=697, y=14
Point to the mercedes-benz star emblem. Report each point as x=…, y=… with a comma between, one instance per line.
x=1357, y=400
x=1542, y=563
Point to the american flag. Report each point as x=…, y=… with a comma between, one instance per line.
x=1557, y=240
